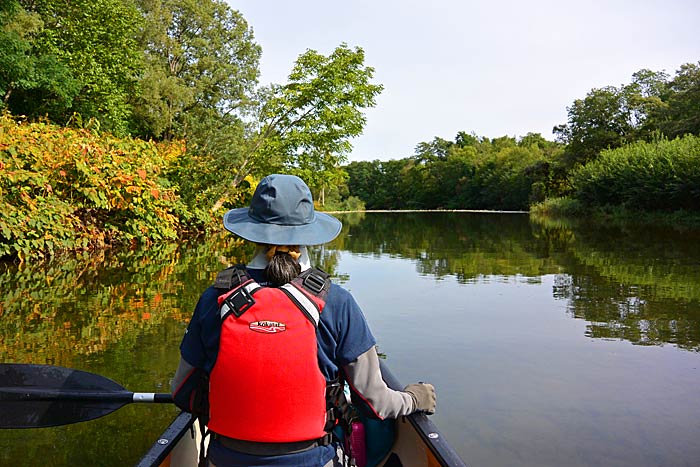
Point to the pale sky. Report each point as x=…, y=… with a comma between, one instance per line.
x=493, y=68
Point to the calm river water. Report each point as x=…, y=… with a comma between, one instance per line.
x=549, y=344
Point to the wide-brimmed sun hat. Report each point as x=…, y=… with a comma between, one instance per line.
x=282, y=213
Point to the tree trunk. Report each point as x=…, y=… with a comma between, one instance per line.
x=232, y=186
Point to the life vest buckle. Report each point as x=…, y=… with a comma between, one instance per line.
x=315, y=281
x=239, y=301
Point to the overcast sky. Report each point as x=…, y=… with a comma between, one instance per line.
x=493, y=68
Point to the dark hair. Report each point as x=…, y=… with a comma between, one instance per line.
x=282, y=269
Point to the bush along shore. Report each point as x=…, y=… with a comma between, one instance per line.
x=73, y=189
x=648, y=182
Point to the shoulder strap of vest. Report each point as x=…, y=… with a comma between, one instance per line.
x=237, y=299
x=315, y=281
x=312, y=282
x=231, y=277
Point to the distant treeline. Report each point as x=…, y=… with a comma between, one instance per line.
x=469, y=173
x=623, y=146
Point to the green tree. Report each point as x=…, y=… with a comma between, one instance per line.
x=534, y=139
x=89, y=46
x=610, y=117
x=380, y=184
x=201, y=65
x=470, y=173
x=201, y=69
x=364, y=181
x=548, y=174
x=682, y=114
x=594, y=124
x=662, y=175
x=438, y=148
x=395, y=183
x=305, y=126
x=435, y=171
x=644, y=100
x=464, y=139
x=32, y=83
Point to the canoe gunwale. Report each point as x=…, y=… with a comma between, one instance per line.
x=160, y=449
x=425, y=428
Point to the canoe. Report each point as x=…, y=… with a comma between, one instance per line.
x=418, y=442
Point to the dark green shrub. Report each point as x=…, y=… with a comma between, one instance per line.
x=661, y=175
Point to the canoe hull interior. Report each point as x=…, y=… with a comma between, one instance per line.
x=418, y=443
x=409, y=450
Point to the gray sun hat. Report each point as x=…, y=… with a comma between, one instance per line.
x=282, y=213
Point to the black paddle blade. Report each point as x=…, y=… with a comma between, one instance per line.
x=35, y=396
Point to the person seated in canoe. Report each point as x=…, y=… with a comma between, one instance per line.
x=275, y=341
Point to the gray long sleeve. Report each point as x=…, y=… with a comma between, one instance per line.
x=365, y=379
x=183, y=371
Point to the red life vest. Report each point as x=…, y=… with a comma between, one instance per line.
x=266, y=384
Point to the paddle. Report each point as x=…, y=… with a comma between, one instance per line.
x=36, y=396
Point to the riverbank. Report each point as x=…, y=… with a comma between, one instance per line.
x=570, y=211
x=483, y=211
x=573, y=210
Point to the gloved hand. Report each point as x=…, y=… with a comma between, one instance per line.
x=424, y=396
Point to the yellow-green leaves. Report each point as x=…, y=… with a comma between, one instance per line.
x=67, y=189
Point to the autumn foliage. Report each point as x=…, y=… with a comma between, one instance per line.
x=72, y=189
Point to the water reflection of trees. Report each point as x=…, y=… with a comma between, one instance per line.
x=464, y=245
x=634, y=284
x=120, y=314
x=53, y=311
x=117, y=313
x=631, y=312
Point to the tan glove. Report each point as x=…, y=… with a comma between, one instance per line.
x=423, y=396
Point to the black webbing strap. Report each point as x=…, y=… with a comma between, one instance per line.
x=258, y=448
x=335, y=395
x=237, y=303
x=315, y=281
x=231, y=277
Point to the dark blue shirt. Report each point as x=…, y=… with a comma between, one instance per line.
x=342, y=336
